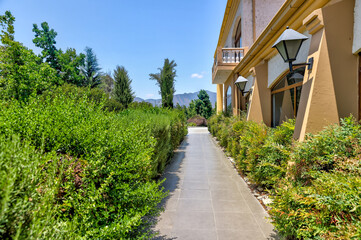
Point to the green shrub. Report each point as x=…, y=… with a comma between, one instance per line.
x=109, y=160
x=28, y=188
x=321, y=198
x=317, y=197
x=260, y=152
x=142, y=105
x=271, y=161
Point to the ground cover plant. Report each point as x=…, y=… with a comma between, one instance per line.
x=315, y=185
x=73, y=170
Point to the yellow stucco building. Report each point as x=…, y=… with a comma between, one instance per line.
x=315, y=96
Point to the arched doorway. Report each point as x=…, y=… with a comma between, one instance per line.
x=286, y=97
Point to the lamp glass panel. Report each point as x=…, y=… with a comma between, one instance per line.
x=241, y=85
x=292, y=48
x=281, y=49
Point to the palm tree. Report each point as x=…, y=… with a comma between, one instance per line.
x=165, y=80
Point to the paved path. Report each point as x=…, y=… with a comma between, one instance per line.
x=207, y=198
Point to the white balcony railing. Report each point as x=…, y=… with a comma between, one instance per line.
x=228, y=55
x=232, y=55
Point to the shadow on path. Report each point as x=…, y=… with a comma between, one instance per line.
x=171, y=184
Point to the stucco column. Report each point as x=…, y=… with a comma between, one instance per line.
x=260, y=104
x=235, y=96
x=219, y=98
x=330, y=89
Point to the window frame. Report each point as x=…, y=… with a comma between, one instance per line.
x=283, y=89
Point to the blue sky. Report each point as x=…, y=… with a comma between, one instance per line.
x=136, y=34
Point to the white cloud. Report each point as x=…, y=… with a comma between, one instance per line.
x=149, y=95
x=197, y=75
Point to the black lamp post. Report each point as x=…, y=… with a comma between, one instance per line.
x=241, y=83
x=288, y=46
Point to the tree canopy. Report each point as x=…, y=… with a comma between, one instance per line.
x=91, y=69
x=21, y=71
x=45, y=39
x=201, y=106
x=70, y=64
x=122, y=90
x=165, y=80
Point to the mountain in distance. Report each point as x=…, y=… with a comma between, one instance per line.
x=183, y=99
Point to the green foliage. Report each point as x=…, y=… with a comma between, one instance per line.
x=20, y=72
x=321, y=198
x=191, y=111
x=107, y=83
x=28, y=187
x=7, y=24
x=68, y=168
x=109, y=160
x=204, y=105
x=112, y=105
x=141, y=105
x=165, y=80
x=198, y=107
x=201, y=106
x=70, y=64
x=315, y=185
x=191, y=124
x=122, y=88
x=91, y=69
x=96, y=95
x=45, y=39
x=260, y=152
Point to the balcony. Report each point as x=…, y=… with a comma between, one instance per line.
x=225, y=61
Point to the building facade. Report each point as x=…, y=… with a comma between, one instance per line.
x=316, y=96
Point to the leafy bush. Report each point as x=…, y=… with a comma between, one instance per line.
x=321, y=199
x=28, y=187
x=260, y=152
x=270, y=160
x=315, y=185
x=109, y=160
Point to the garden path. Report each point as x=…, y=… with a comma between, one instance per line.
x=207, y=198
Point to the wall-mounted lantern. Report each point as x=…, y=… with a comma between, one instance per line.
x=288, y=46
x=241, y=83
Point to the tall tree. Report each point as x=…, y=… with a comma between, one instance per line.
x=45, y=39
x=201, y=106
x=204, y=105
x=91, y=69
x=107, y=83
x=122, y=90
x=70, y=64
x=20, y=71
x=165, y=80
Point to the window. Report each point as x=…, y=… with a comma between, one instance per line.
x=238, y=36
x=286, y=97
x=228, y=106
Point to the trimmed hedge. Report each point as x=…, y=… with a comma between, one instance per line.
x=91, y=170
x=315, y=185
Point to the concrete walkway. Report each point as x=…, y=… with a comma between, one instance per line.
x=207, y=198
